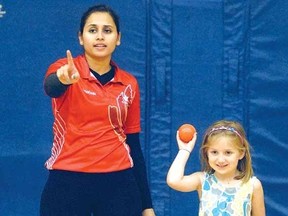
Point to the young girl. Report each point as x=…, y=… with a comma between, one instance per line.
x=96, y=165
x=226, y=186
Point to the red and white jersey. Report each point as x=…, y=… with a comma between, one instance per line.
x=91, y=121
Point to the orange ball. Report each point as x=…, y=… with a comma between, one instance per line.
x=186, y=132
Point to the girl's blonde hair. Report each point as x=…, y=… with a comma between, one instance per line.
x=235, y=131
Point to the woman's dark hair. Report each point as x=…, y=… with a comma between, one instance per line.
x=99, y=8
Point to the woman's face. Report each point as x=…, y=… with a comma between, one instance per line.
x=100, y=36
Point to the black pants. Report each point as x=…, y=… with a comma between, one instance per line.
x=88, y=194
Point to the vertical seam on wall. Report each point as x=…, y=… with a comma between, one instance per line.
x=235, y=48
x=148, y=87
x=160, y=100
x=247, y=69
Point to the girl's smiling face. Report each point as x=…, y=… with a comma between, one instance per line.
x=100, y=36
x=223, y=156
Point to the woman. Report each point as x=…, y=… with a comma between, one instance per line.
x=96, y=166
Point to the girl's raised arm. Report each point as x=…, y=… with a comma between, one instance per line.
x=175, y=177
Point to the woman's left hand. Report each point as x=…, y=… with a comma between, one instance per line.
x=148, y=212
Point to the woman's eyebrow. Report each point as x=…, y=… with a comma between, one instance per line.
x=95, y=25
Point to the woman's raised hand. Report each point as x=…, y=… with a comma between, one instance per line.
x=68, y=74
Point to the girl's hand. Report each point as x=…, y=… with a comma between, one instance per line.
x=68, y=74
x=188, y=146
x=148, y=212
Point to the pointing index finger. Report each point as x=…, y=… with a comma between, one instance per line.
x=69, y=59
